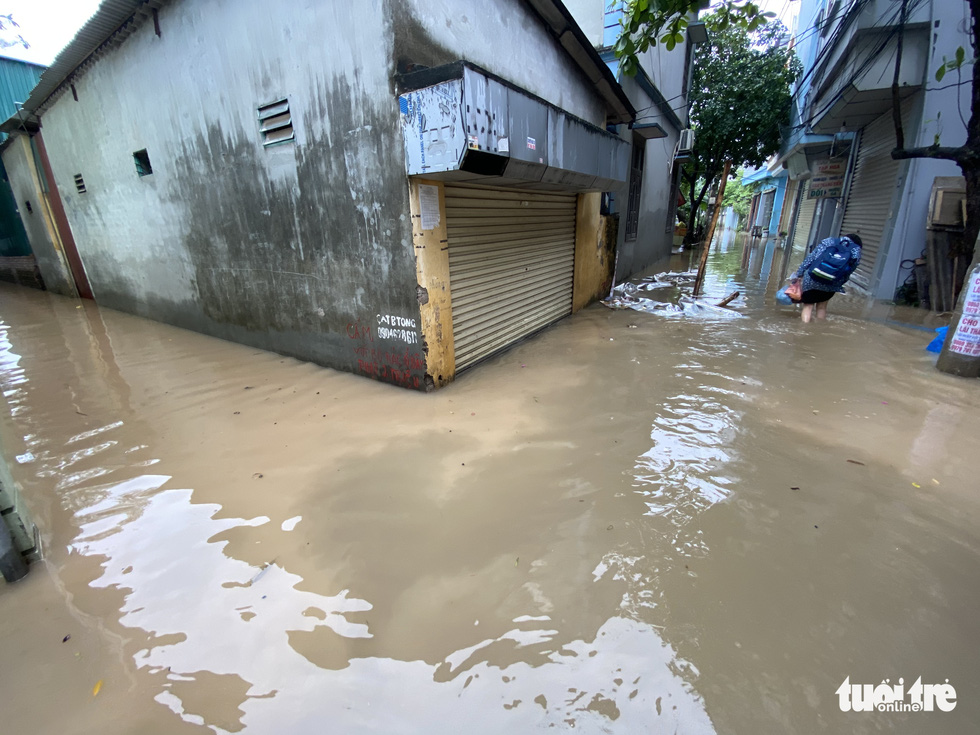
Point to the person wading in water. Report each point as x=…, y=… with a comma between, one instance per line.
x=825, y=271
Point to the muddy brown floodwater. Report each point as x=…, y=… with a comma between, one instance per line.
x=632, y=522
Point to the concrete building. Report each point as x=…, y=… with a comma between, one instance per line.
x=659, y=91
x=388, y=188
x=840, y=144
x=765, y=212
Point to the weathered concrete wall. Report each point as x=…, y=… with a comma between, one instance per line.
x=26, y=187
x=654, y=232
x=303, y=247
x=505, y=37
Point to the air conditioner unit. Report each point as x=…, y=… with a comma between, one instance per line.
x=946, y=205
x=686, y=142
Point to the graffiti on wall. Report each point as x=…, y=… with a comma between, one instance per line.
x=381, y=363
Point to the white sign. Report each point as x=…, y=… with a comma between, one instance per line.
x=828, y=180
x=429, y=206
x=966, y=338
x=401, y=328
x=888, y=697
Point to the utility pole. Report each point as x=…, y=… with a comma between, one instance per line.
x=699, y=281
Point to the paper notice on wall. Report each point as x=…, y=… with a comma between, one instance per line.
x=429, y=206
x=966, y=338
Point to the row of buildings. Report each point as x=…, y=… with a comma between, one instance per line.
x=401, y=188
x=835, y=173
x=395, y=188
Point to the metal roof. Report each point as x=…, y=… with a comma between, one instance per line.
x=110, y=24
x=116, y=19
x=17, y=79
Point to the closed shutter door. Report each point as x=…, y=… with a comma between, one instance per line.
x=872, y=189
x=804, y=219
x=511, y=265
x=766, y=209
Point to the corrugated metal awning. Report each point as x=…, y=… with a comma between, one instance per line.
x=111, y=24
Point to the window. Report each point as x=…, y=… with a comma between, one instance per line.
x=275, y=122
x=636, y=183
x=142, y=160
x=79, y=183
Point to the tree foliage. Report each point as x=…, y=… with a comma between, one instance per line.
x=649, y=22
x=740, y=96
x=738, y=196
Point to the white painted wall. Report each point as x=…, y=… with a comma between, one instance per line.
x=943, y=112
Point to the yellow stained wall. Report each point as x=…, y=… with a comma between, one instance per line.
x=594, y=253
x=594, y=257
x=22, y=144
x=432, y=268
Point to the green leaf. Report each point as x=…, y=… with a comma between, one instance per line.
x=960, y=56
x=940, y=73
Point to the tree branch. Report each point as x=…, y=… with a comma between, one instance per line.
x=961, y=154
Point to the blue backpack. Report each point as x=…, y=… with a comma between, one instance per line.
x=834, y=263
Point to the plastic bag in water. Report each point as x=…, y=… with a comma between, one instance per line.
x=937, y=344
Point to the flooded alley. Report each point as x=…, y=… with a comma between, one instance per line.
x=632, y=522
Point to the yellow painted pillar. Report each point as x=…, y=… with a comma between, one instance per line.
x=428, y=205
x=44, y=206
x=594, y=256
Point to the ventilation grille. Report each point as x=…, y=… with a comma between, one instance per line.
x=142, y=160
x=79, y=183
x=275, y=122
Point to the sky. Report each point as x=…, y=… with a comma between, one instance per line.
x=48, y=25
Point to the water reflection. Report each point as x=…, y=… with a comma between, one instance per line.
x=682, y=474
x=598, y=529
x=231, y=643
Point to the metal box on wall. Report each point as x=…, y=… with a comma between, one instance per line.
x=460, y=123
x=432, y=127
x=485, y=113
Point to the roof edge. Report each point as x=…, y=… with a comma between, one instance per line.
x=571, y=37
x=111, y=17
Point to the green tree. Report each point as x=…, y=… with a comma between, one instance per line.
x=647, y=22
x=739, y=97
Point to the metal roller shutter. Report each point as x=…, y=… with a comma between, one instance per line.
x=872, y=190
x=511, y=265
x=804, y=219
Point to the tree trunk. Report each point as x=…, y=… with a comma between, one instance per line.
x=696, y=208
x=716, y=209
